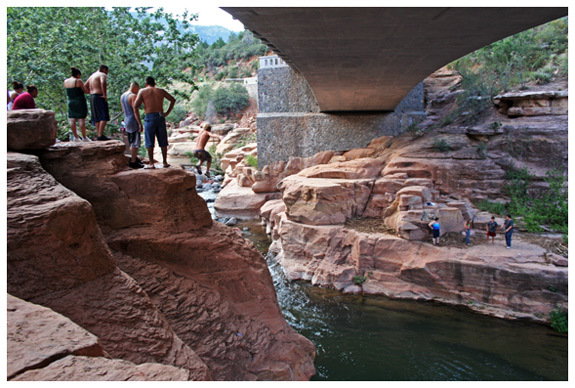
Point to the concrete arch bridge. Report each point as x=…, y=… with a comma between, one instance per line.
x=364, y=60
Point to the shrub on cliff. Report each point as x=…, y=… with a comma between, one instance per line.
x=537, y=54
x=536, y=208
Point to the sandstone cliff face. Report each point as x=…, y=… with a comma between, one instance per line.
x=404, y=182
x=134, y=258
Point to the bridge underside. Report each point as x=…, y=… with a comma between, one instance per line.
x=368, y=59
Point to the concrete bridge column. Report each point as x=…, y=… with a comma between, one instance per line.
x=290, y=122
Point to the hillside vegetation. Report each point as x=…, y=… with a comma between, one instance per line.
x=537, y=55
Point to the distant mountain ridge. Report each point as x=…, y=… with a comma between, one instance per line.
x=211, y=34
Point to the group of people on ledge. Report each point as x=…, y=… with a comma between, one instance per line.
x=96, y=86
x=491, y=229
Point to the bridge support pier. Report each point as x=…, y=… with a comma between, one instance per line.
x=290, y=124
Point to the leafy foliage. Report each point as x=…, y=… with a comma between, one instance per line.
x=440, y=145
x=231, y=100
x=224, y=100
x=536, y=54
x=251, y=160
x=546, y=207
x=558, y=319
x=239, y=47
x=44, y=42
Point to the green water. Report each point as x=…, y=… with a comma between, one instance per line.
x=375, y=338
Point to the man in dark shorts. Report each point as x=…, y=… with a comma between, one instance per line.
x=492, y=230
x=200, y=152
x=97, y=84
x=153, y=99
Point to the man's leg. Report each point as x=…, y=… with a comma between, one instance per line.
x=134, y=154
x=151, y=157
x=208, y=168
x=102, y=127
x=165, y=156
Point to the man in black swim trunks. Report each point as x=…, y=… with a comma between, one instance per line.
x=97, y=83
x=200, y=152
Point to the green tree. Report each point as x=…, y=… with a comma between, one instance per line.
x=231, y=100
x=43, y=42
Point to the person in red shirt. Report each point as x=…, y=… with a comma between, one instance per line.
x=26, y=99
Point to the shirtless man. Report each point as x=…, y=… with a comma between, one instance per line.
x=200, y=152
x=97, y=84
x=153, y=99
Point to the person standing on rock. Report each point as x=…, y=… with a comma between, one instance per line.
x=132, y=127
x=26, y=99
x=199, y=149
x=436, y=230
x=153, y=100
x=467, y=229
x=508, y=227
x=492, y=230
x=77, y=107
x=97, y=85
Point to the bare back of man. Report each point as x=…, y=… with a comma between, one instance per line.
x=97, y=85
x=153, y=100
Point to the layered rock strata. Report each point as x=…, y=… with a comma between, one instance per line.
x=133, y=257
x=402, y=183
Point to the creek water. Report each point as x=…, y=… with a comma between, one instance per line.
x=367, y=338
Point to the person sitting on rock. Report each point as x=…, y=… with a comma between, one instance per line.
x=26, y=99
x=492, y=230
x=436, y=230
x=199, y=149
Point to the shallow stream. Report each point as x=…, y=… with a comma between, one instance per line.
x=376, y=338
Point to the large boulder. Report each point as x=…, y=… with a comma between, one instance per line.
x=211, y=285
x=44, y=345
x=240, y=202
x=58, y=258
x=30, y=129
x=164, y=198
x=317, y=201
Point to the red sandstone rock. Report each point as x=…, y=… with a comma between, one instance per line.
x=30, y=129
x=73, y=368
x=354, y=169
x=211, y=285
x=38, y=335
x=98, y=173
x=57, y=258
x=324, y=201
x=488, y=278
x=240, y=202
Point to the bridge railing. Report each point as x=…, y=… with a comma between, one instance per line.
x=271, y=61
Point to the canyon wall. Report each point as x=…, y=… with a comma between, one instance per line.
x=134, y=258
